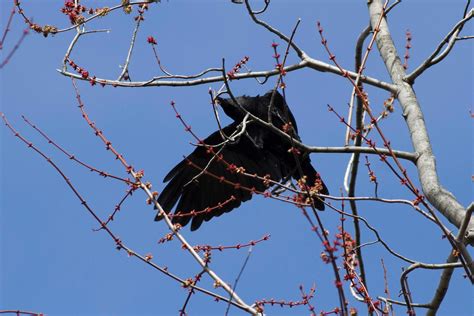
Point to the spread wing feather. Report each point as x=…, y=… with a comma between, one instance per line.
x=208, y=191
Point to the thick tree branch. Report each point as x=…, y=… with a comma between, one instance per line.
x=361, y=150
x=308, y=62
x=439, y=197
x=324, y=67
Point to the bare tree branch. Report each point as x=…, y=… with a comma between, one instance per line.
x=273, y=30
x=119, y=243
x=400, y=87
x=449, y=40
x=249, y=253
x=54, y=30
x=445, y=278
x=462, y=38
x=309, y=62
x=20, y=312
x=353, y=164
x=173, y=228
x=392, y=301
x=444, y=201
x=362, y=150
x=418, y=265
x=124, y=72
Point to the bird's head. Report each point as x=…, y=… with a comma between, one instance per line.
x=233, y=110
x=257, y=105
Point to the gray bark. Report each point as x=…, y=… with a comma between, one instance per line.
x=440, y=198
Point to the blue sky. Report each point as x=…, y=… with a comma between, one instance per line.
x=52, y=262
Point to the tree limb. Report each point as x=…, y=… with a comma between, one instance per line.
x=440, y=198
x=308, y=62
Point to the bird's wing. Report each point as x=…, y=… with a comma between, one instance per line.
x=220, y=187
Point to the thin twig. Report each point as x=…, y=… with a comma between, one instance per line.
x=249, y=253
x=462, y=38
x=18, y=312
x=99, y=14
x=182, y=311
x=73, y=157
x=280, y=82
x=388, y=306
x=7, y=26
x=273, y=30
x=453, y=257
x=125, y=72
x=14, y=49
x=119, y=243
x=436, y=56
x=392, y=301
x=267, y=3
x=146, y=188
x=377, y=234
x=418, y=265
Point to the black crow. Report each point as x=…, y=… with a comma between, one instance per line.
x=203, y=180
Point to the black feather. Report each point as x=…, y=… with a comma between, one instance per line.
x=259, y=151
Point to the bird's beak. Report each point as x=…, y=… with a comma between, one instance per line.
x=219, y=101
